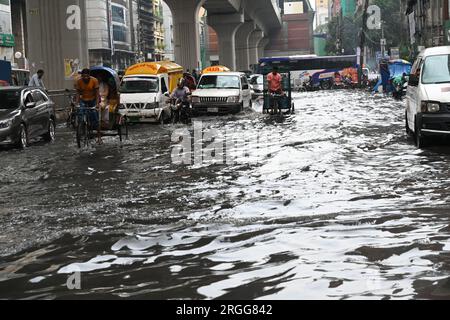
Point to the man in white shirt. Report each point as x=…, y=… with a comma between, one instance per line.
x=36, y=80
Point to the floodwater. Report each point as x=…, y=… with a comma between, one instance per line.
x=333, y=202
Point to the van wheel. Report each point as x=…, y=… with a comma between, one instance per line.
x=420, y=139
x=408, y=130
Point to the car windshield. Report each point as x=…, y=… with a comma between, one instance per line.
x=436, y=69
x=219, y=82
x=139, y=85
x=9, y=99
x=257, y=80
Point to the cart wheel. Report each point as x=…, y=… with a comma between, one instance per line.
x=79, y=135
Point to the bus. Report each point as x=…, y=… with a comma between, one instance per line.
x=319, y=71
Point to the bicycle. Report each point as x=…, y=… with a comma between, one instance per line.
x=72, y=113
x=85, y=129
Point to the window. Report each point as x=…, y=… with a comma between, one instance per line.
x=119, y=33
x=138, y=85
x=219, y=82
x=436, y=69
x=244, y=83
x=163, y=86
x=118, y=14
x=38, y=97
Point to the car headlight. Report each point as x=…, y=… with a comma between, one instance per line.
x=195, y=99
x=431, y=107
x=233, y=99
x=5, y=124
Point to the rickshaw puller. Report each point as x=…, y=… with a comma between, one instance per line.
x=88, y=96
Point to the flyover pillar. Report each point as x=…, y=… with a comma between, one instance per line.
x=262, y=46
x=253, y=41
x=242, y=46
x=186, y=31
x=226, y=26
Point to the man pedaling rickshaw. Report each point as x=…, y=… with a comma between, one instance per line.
x=274, y=80
x=88, y=97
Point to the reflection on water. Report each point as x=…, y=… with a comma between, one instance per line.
x=338, y=205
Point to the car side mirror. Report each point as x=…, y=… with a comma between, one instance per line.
x=413, y=80
x=30, y=105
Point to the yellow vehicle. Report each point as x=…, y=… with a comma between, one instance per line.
x=214, y=69
x=144, y=88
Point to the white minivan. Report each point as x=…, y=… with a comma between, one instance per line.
x=222, y=93
x=428, y=95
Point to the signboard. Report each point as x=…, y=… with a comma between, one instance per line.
x=412, y=28
x=71, y=68
x=6, y=40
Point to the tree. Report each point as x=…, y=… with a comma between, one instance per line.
x=346, y=30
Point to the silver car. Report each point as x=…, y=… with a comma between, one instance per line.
x=257, y=85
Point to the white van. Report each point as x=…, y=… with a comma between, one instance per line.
x=222, y=93
x=428, y=96
x=144, y=89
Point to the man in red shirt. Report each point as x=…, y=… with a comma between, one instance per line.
x=274, y=80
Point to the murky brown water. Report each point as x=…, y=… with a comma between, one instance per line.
x=334, y=202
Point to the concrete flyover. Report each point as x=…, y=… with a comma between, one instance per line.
x=239, y=24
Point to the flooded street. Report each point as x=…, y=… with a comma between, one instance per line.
x=339, y=204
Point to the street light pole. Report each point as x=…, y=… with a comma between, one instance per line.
x=362, y=40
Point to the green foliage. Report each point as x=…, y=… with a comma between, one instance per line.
x=348, y=30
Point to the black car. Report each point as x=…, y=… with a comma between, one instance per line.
x=25, y=114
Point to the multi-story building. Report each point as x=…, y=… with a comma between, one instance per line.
x=427, y=23
x=111, y=40
x=150, y=30
x=6, y=34
x=169, y=53
x=322, y=12
x=296, y=35
x=158, y=30
x=335, y=8
x=19, y=27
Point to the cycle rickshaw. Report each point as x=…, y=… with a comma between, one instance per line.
x=277, y=103
x=111, y=123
